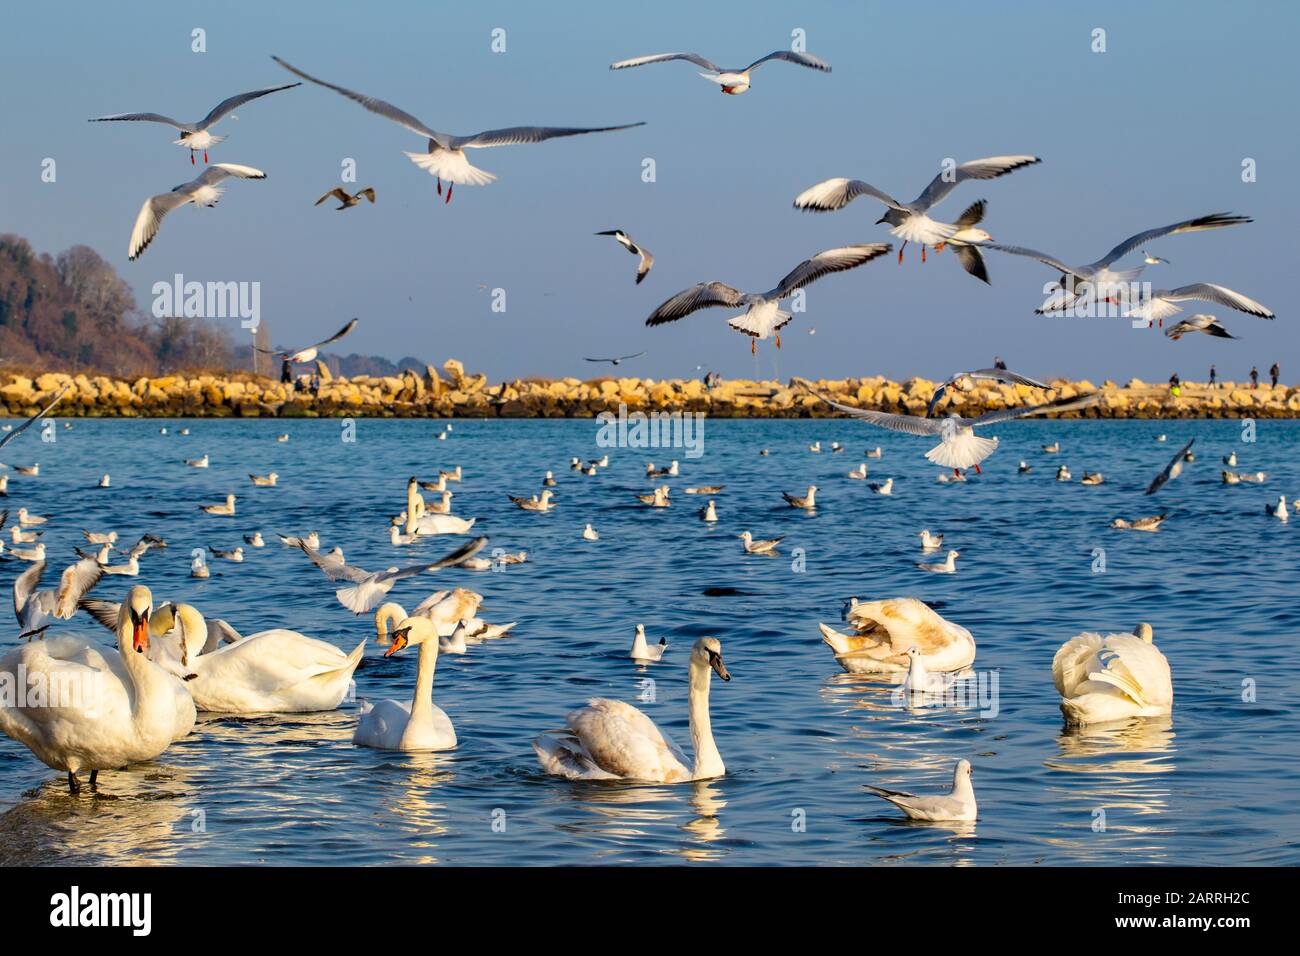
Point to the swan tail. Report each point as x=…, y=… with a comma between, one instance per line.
x=839, y=643
x=566, y=757
x=962, y=451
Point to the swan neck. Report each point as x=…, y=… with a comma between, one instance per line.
x=422, y=702
x=708, y=762
x=147, y=679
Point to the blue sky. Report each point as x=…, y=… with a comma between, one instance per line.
x=1151, y=131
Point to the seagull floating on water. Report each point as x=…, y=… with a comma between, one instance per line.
x=956, y=805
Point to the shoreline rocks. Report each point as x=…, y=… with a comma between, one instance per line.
x=454, y=393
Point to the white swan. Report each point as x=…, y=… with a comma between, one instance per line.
x=421, y=724
x=887, y=629
x=611, y=740
x=642, y=650
x=276, y=671
x=123, y=709
x=1112, y=677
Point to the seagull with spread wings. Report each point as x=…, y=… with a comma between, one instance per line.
x=1159, y=305
x=729, y=81
x=1103, y=281
x=911, y=221
x=195, y=136
x=309, y=353
x=1207, y=324
x=959, y=447
x=624, y=240
x=968, y=381
x=763, y=315
x=446, y=156
x=368, y=588
x=1172, y=470
x=348, y=200
x=202, y=191
x=15, y=432
x=35, y=608
x=618, y=360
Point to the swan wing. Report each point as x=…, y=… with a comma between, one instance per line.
x=624, y=741
x=1137, y=668
x=1073, y=663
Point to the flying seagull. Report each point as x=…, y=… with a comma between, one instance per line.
x=1172, y=470
x=614, y=361
x=1151, y=260
x=762, y=316
x=966, y=382
x=368, y=588
x=34, y=608
x=729, y=81
x=959, y=447
x=624, y=240
x=309, y=353
x=14, y=433
x=911, y=221
x=203, y=191
x=195, y=136
x=1199, y=323
x=446, y=156
x=1104, y=280
x=1159, y=305
x=348, y=201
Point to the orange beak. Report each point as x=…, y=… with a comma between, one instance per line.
x=140, y=634
x=399, y=641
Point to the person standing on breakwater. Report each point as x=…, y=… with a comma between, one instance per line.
x=286, y=372
x=999, y=364
x=1175, y=385
x=1274, y=372
x=1213, y=377
x=1254, y=377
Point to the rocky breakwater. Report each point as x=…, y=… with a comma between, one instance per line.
x=451, y=392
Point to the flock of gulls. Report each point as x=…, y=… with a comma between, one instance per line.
x=172, y=661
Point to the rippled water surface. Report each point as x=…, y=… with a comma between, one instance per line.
x=1218, y=783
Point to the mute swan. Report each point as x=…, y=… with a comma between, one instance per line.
x=644, y=651
x=276, y=671
x=121, y=708
x=1112, y=677
x=958, y=804
x=419, y=725
x=611, y=740
x=887, y=629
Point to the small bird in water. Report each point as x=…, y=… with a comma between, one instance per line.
x=808, y=502
x=1139, y=524
x=946, y=566
x=709, y=513
x=767, y=546
x=590, y=534
x=958, y=804
x=348, y=201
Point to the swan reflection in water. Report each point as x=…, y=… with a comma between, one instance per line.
x=1115, y=786
x=151, y=814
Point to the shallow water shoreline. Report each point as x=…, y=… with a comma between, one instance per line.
x=452, y=393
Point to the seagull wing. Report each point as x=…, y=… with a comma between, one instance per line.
x=803, y=59
x=989, y=168
x=105, y=612
x=838, y=193
x=1010, y=414
x=664, y=58
x=386, y=110
x=1199, y=224
x=145, y=118
x=14, y=433
x=1220, y=295
x=514, y=135
x=337, y=335
x=463, y=553
x=227, y=106
x=824, y=263
x=218, y=172
x=149, y=220
x=1170, y=469
x=25, y=586
x=337, y=192
x=333, y=569
x=702, y=296
x=1042, y=257
x=77, y=579
x=912, y=424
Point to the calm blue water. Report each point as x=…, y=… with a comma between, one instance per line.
x=1217, y=784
